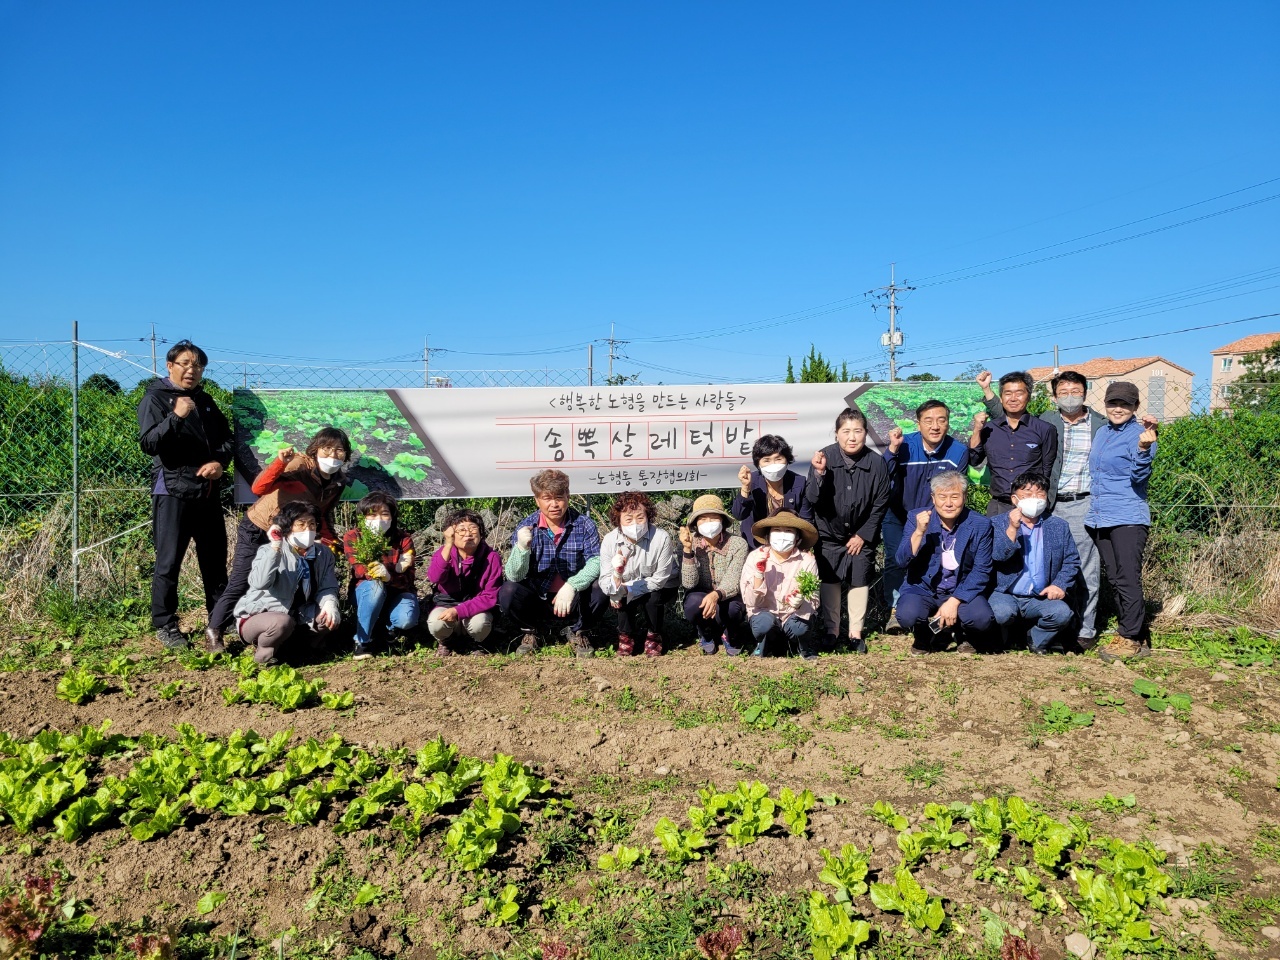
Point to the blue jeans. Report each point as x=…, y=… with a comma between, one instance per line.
x=764, y=624
x=891, y=534
x=374, y=599
x=1048, y=617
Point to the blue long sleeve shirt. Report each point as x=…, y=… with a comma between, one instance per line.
x=1118, y=474
x=912, y=467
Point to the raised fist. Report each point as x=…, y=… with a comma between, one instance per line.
x=287, y=454
x=1147, y=438
x=819, y=462
x=895, y=439
x=183, y=406
x=922, y=519
x=686, y=539
x=744, y=477
x=980, y=419
x=274, y=534
x=984, y=380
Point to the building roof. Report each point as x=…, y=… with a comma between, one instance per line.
x=1101, y=367
x=1250, y=344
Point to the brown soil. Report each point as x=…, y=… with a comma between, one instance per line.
x=971, y=715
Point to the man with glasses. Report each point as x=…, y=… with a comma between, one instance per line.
x=1076, y=424
x=190, y=444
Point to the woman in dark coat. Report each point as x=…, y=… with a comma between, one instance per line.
x=848, y=492
x=772, y=487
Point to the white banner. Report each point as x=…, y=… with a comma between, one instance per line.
x=427, y=443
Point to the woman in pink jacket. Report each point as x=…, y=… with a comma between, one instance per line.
x=780, y=583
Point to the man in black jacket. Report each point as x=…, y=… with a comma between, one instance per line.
x=190, y=443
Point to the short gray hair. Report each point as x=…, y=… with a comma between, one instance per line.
x=946, y=479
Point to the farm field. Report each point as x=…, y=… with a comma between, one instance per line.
x=961, y=802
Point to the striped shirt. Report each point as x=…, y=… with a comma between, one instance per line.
x=1077, y=439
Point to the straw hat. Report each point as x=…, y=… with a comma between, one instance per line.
x=786, y=520
x=708, y=503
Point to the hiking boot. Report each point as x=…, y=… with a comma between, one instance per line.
x=626, y=646
x=1118, y=648
x=964, y=646
x=444, y=650
x=171, y=637
x=362, y=651
x=213, y=642
x=892, y=625
x=653, y=645
x=528, y=644
x=581, y=644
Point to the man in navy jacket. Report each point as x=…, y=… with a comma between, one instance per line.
x=947, y=556
x=1036, y=564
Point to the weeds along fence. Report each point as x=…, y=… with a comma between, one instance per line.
x=75, y=499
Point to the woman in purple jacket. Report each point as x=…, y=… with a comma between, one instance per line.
x=467, y=573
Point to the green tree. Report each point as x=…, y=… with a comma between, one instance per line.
x=815, y=368
x=1258, y=386
x=791, y=373
x=923, y=377
x=100, y=381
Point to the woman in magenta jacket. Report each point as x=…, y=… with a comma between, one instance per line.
x=467, y=573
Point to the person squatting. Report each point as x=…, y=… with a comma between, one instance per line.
x=781, y=570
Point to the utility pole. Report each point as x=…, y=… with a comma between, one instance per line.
x=426, y=363
x=1056, y=371
x=614, y=343
x=591, y=364
x=154, y=369
x=893, y=339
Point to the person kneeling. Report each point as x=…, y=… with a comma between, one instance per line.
x=711, y=574
x=947, y=559
x=641, y=574
x=780, y=583
x=382, y=569
x=552, y=569
x=293, y=582
x=1036, y=564
x=467, y=573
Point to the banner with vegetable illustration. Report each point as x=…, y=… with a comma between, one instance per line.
x=434, y=443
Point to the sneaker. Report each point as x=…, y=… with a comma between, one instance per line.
x=627, y=646
x=444, y=650
x=1118, y=648
x=581, y=645
x=1084, y=644
x=892, y=625
x=759, y=650
x=729, y=649
x=362, y=651
x=708, y=647
x=213, y=642
x=652, y=645
x=964, y=646
x=827, y=643
x=528, y=644
x=171, y=637
x=808, y=650
x=857, y=645
x=918, y=651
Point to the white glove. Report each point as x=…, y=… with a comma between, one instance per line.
x=405, y=561
x=524, y=537
x=619, y=562
x=329, y=607
x=794, y=601
x=274, y=535
x=563, y=601
x=377, y=571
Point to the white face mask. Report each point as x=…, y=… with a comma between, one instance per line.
x=1031, y=507
x=329, y=465
x=773, y=471
x=949, y=561
x=1070, y=404
x=635, y=531
x=302, y=539
x=710, y=528
x=782, y=541
x=378, y=524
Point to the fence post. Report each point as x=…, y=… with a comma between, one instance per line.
x=75, y=461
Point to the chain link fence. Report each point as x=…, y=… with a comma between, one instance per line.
x=75, y=487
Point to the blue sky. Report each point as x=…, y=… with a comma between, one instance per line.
x=338, y=181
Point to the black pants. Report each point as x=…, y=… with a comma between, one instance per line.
x=729, y=617
x=175, y=522
x=652, y=604
x=530, y=610
x=249, y=537
x=1121, y=549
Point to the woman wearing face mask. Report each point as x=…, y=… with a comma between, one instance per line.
x=848, y=491
x=385, y=595
x=775, y=604
x=1120, y=464
x=1036, y=564
x=293, y=582
x=710, y=574
x=316, y=477
x=638, y=571
x=771, y=488
x=467, y=574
